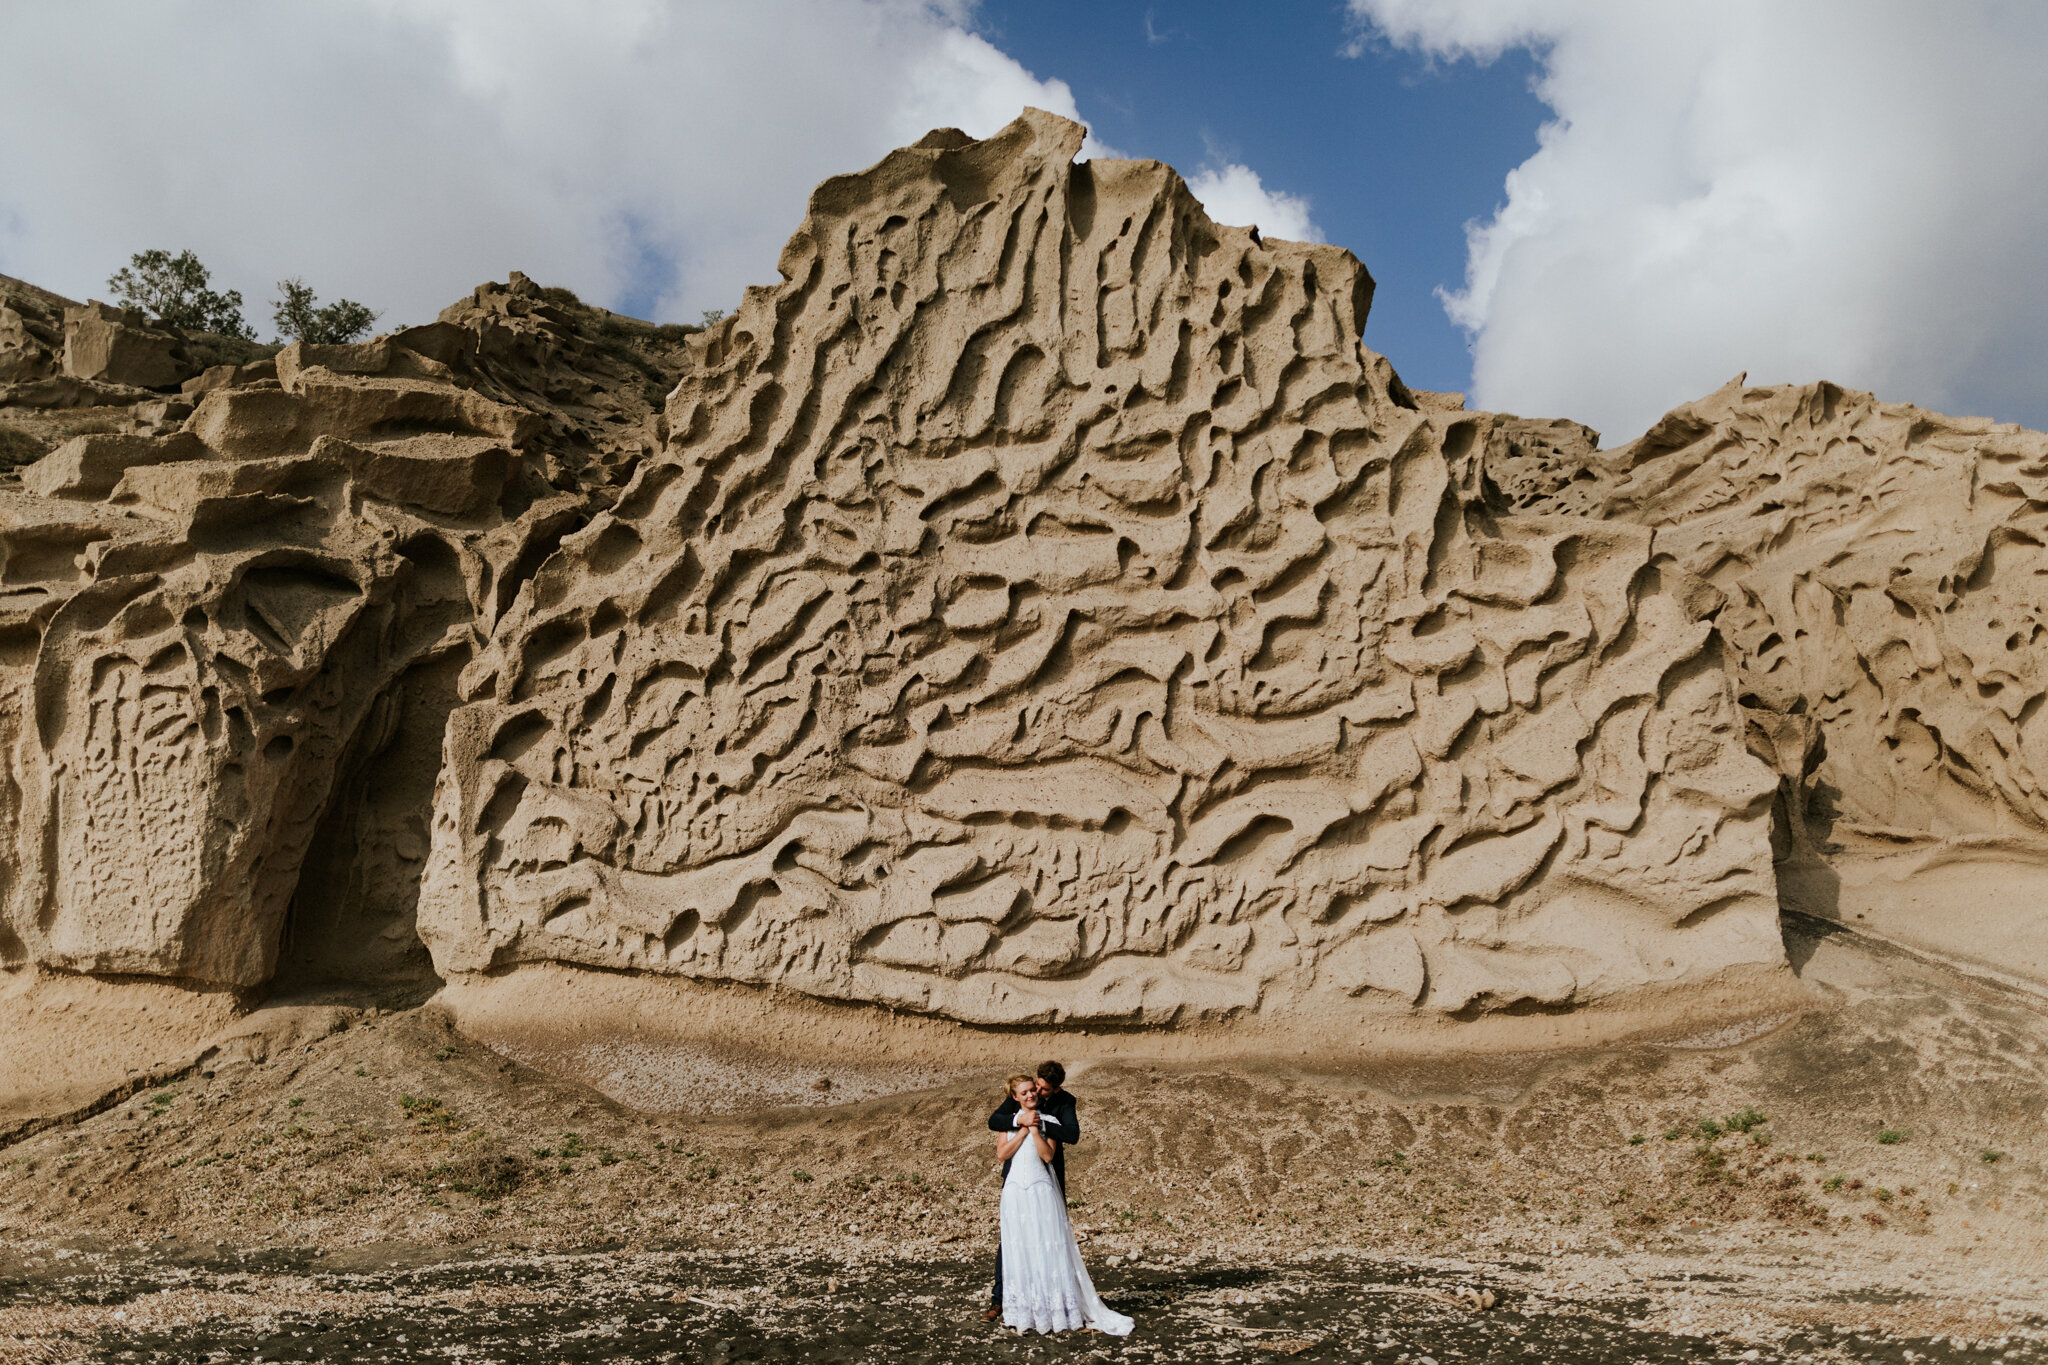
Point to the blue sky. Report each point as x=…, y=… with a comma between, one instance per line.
x=1394, y=152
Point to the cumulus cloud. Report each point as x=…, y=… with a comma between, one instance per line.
x=652, y=156
x=1843, y=189
x=1235, y=195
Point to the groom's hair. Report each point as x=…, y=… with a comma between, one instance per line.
x=1053, y=1074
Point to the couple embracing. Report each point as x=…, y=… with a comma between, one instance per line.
x=1041, y=1285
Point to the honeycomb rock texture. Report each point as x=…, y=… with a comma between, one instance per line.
x=1043, y=608
x=1885, y=589
x=231, y=626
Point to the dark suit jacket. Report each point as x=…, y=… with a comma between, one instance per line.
x=1059, y=1105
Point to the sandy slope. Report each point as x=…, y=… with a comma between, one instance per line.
x=1591, y=1171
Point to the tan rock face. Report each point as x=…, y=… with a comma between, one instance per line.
x=120, y=346
x=1038, y=607
x=1883, y=573
x=211, y=641
x=23, y=354
x=1043, y=607
x=31, y=332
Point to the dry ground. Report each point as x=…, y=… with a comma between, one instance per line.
x=1862, y=1181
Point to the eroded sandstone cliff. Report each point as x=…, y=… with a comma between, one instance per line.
x=1038, y=607
x=1884, y=595
x=221, y=610
x=1045, y=608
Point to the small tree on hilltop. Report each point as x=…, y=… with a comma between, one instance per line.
x=175, y=289
x=299, y=319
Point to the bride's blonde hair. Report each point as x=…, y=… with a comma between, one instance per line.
x=1010, y=1086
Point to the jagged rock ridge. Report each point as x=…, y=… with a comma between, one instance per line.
x=220, y=608
x=1046, y=608
x=1040, y=606
x=1885, y=594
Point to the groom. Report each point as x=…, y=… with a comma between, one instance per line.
x=1060, y=1125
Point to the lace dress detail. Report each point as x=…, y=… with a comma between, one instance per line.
x=1045, y=1286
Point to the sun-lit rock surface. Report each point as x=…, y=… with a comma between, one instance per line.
x=1038, y=607
x=216, y=620
x=1885, y=599
x=1045, y=608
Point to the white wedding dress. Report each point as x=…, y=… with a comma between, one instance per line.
x=1045, y=1286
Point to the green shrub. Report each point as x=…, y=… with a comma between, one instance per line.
x=299, y=318
x=175, y=289
x=1891, y=1136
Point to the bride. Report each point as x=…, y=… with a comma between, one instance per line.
x=1045, y=1286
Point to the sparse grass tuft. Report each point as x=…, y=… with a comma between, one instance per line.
x=1989, y=1157
x=428, y=1115
x=1749, y=1119
x=1891, y=1136
x=18, y=448
x=486, y=1175
x=1636, y=1139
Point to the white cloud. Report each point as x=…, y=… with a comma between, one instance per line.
x=1234, y=194
x=400, y=151
x=1847, y=189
